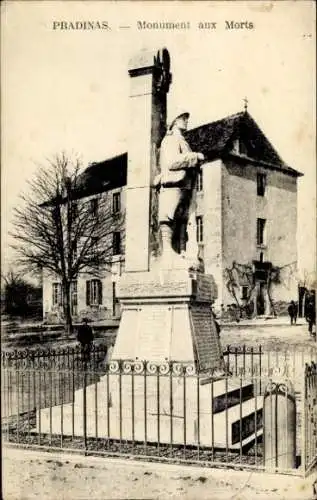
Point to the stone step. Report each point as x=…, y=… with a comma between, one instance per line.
x=140, y=418
x=243, y=424
x=226, y=395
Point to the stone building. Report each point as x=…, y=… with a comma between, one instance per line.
x=246, y=223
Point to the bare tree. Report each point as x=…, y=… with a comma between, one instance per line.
x=58, y=228
x=240, y=273
x=244, y=273
x=20, y=297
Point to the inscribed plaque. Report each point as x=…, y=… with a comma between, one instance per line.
x=206, y=338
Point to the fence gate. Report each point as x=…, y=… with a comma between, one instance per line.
x=309, y=413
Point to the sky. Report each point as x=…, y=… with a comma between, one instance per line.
x=68, y=90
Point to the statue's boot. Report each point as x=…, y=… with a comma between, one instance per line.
x=167, y=254
x=169, y=258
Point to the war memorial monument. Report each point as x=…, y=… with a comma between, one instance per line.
x=166, y=378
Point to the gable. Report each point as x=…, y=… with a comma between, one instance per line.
x=257, y=145
x=239, y=135
x=214, y=138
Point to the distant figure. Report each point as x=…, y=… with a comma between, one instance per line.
x=85, y=337
x=292, y=311
x=310, y=315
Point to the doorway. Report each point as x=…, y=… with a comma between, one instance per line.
x=260, y=299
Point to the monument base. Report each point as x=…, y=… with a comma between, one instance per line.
x=167, y=316
x=160, y=385
x=156, y=407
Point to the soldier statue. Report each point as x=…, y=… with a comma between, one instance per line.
x=177, y=201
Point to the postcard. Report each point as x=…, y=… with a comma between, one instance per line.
x=158, y=275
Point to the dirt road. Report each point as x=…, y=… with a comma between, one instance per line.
x=49, y=476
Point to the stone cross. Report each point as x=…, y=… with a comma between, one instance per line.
x=246, y=102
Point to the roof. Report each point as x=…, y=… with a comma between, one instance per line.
x=214, y=140
x=97, y=178
x=103, y=176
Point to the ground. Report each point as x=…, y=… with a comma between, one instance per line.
x=33, y=474
x=270, y=333
x=270, y=336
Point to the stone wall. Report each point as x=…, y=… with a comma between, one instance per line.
x=211, y=203
x=241, y=206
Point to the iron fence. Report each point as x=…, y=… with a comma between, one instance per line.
x=260, y=362
x=309, y=411
x=45, y=377
x=168, y=411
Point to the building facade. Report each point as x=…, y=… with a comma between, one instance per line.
x=93, y=293
x=246, y=224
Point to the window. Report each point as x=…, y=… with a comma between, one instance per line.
x=242, y=148
x=94, y=207
x=74, y=208
x=200, y=180
x=73, y=293
x=261, y=184
x=199, y=229
x=260, y=231
x=116, y=203
x=93, y=292
x=74, y=251
x=116, y=243
x=57, y=295
x=94, y=245
x=244, y=292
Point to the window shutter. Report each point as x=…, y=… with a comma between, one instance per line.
x=87, y=293
x=99, y=292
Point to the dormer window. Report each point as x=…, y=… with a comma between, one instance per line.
x=242, y=148
x=239, y=147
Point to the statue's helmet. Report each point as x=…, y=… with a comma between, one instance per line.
x=177, y=115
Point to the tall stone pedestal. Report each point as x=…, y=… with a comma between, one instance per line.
x=166, y=316
x=166, y=309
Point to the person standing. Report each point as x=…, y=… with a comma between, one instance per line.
x=310, y=315
x=85, y=337
x=292, y=311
